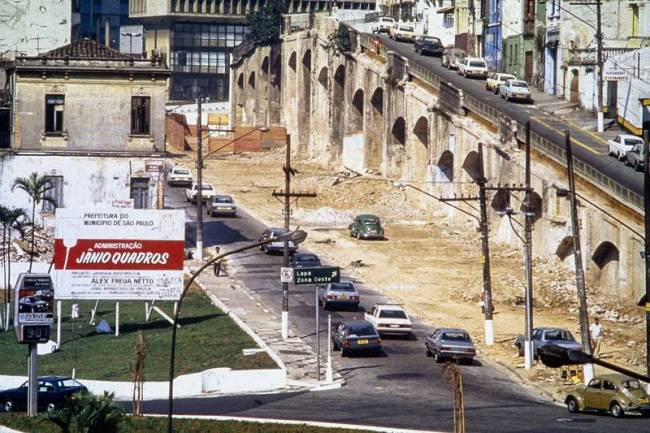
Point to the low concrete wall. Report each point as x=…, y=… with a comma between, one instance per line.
x=354, y=152
x=215, y=380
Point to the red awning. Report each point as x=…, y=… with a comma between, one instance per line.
x=445, y=10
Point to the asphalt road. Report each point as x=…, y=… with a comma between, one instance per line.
x=592, y=150
x=403, y=388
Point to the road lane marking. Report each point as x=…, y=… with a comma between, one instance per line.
x=573, y=139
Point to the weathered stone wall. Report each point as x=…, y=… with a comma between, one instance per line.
x=358, y=100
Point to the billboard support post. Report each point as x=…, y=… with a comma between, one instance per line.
x=58, y=324
x=117, y=318
x=32, y=391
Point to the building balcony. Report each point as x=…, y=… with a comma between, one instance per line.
x=198, y=9
x=589, y=56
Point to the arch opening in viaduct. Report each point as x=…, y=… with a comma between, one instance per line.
x=606, y=258
x=338, y=100
x=445, y=167
x=355, y=119
x=471, y=165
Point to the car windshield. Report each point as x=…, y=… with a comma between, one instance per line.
x=505, y=77
x=342, y=287
x=631, y=384
x=222, y=200
x=477, y=64
x=181, y=172
x=392, y=314
x=206, y=187
x=68, y=383
x=455, y=336
x=519, y=84
x=406, y=28
x=430, y=39
x=559, y=335
x=361, y=330
x=307, y=259
x=633, y=141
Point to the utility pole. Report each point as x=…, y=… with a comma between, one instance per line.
x=485, y=246
x=646, y=190
x=287, y=195
x=599, y=40
x=528, y=246
x=199, y=181
x=588, y=369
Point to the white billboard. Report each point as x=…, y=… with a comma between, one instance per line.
x=119, y=254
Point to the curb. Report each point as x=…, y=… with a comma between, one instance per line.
x=295, y=422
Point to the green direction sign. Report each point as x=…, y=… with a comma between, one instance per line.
x=316, y=275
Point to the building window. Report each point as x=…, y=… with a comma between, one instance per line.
x=634, y=14
x=140, y=112
x=54, y=194
x=140, y=192
x=54, y=114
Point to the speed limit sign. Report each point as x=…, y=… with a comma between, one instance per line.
x=286, y=275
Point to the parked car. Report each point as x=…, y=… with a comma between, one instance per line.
x=390, y=319
x=515, y=90
x=635, y=157
x=622, y=144
x=207, y=192
x=53, y=391
x=543, y=336
x=272, y=247
x=179, y=176
x=613, y=393
x=473, y=67
x=366, y=226
x=342, y=294
x=356, y=336
x=221, y=205
x=428, y=45
x=402, y=32
x=452, y=57
x=496, y=80
x=450, y=343
x=384, y=24
x=305, y=260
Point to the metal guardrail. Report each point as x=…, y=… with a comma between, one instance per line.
x=553, y=150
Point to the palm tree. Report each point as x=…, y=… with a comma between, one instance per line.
x=35, y=186
x=12, y=220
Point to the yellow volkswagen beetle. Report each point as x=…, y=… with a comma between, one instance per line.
x=613, y=393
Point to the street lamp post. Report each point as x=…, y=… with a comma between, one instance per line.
x=296, y=236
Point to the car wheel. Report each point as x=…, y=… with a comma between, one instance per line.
x=8, y=406
x=437, y=357
x=506, y=98
x=344, y=353
x=51, y=407
x=428, y=352
x=616, y=410
x=378, y=352
x=636, y=166
x=619, y=156
x=572, y=405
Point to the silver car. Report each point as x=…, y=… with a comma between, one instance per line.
x=544, y=336
x=342, y=294
x=222, y=205
x=450, y=343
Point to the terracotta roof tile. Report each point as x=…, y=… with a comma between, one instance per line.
x=85, y=49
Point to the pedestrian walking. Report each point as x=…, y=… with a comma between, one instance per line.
x=596, y=332
x=377, y=45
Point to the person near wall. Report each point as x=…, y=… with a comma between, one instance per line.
x=596, y=332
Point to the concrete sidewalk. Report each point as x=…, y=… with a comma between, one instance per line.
x=295, y=354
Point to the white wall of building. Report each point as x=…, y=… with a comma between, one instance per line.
x=436, y=24
x=34, y=26
x=512, y=23
x=635, y=85
x=87, y=180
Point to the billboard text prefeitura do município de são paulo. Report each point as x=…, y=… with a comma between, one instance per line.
x=119, y=254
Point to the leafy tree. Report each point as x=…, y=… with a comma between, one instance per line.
x=36, y=187
x=265, y=26
x=338, y=42
x=11, y=220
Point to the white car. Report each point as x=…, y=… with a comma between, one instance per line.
x=207, y=192
x=402, y=32
x=179, y=176
x=515, y=90
x=496, y=80
x=383, y=25
x=390, y=319
x=473, y=67
x=622, y=144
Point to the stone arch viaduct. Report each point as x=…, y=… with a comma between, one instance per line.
x=363, y=110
